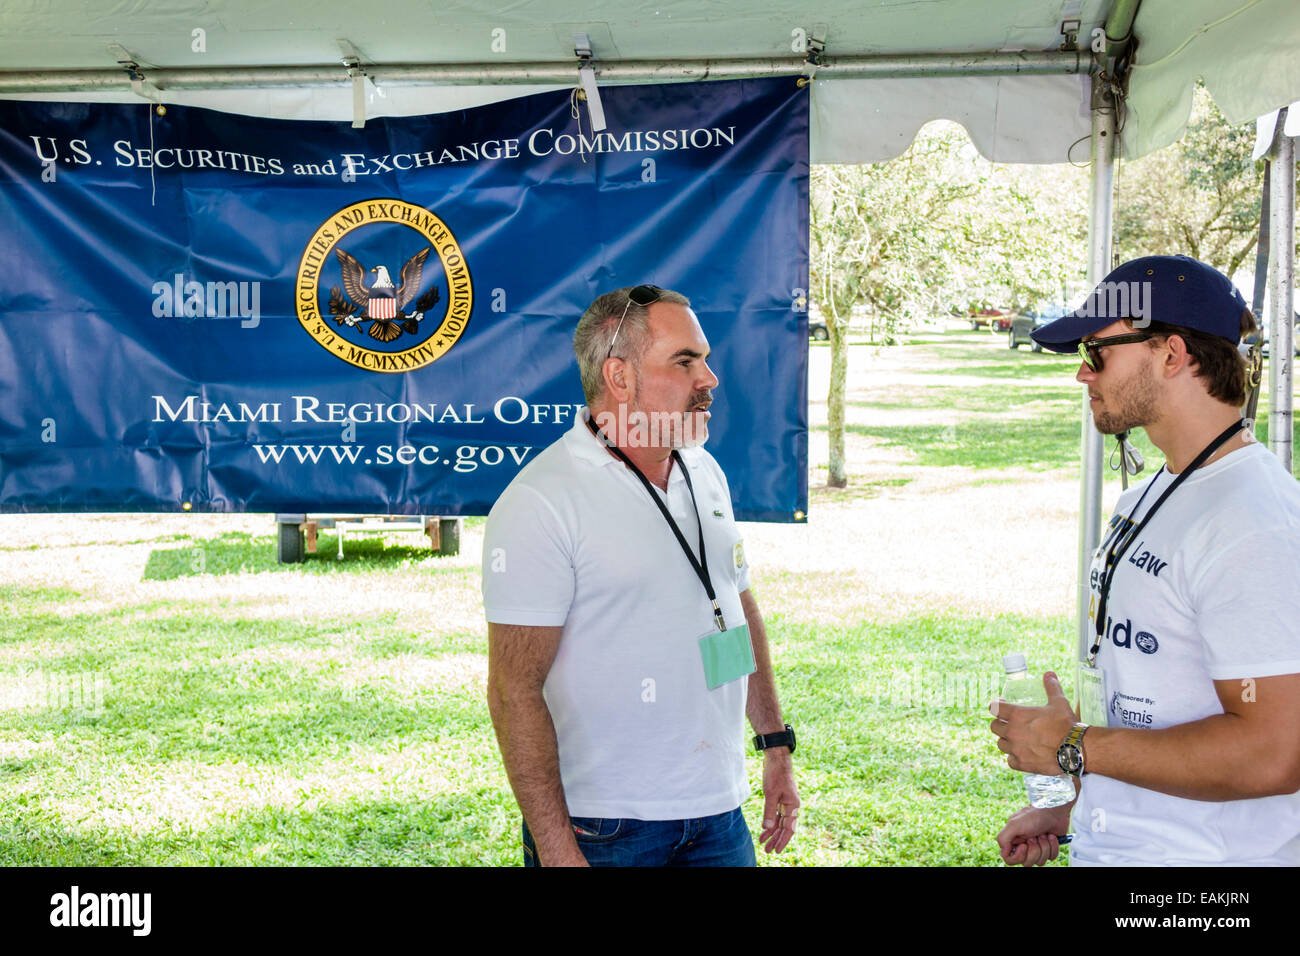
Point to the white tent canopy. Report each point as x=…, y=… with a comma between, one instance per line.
x=874, y=91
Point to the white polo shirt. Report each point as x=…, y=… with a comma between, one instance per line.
x=576, y=541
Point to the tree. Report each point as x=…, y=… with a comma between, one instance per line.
x=1199, y=196
x=937, y=229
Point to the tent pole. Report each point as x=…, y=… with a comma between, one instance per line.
x=994, y=63
x=1281, y=290
x=1101, y=195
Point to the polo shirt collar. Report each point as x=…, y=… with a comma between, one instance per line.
x=586, y=447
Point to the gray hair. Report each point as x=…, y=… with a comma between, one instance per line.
x=596, y=330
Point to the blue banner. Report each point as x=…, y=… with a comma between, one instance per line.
x=211, y=312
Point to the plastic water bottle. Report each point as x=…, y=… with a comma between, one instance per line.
x=1020, y=688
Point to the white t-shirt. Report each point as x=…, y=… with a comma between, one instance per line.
x=1207, y=591
x=576, y=541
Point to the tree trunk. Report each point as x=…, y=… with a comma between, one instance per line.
x=838, y=326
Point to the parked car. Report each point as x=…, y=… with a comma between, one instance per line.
x=998, y=320
x=1026, y=322
x=818, y=331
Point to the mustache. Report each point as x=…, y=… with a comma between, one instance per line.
x=697, y=397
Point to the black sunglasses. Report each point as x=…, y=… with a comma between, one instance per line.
x=642, y=295
x=1090, y=351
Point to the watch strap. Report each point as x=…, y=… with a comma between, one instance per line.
x=782, y=738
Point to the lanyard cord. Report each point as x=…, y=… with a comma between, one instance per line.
x=701, y=566
x=1114, y=557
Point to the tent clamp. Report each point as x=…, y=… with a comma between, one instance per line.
x=1070, y=30
x=140, y=84
x=587, y=80
x=357, y=74
x=1111, y=90
x=816, y=55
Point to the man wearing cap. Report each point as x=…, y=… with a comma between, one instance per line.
x=1184, y=747
x=625, y=647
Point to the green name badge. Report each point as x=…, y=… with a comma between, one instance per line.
x=727, y=655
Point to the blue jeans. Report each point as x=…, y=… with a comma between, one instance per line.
x=721, y=840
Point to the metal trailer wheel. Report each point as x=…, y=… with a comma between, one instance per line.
x=288, y=545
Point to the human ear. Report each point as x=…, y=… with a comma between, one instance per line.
x=618, y=377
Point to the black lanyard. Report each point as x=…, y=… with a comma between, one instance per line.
x=702, y=565
x=1114, y=557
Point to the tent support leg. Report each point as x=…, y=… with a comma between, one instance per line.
x=1281, y=286
x=1101, y=197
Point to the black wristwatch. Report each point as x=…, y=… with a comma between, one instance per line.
x=782, y=738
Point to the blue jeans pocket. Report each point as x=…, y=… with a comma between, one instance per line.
x=596, y=829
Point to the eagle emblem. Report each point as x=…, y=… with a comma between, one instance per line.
x=381, y=303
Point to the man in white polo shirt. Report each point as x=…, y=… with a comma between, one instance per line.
x=1185, y=746
x=623, y=658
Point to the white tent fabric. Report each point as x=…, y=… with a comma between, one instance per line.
x=1010, y=119
x=1266, y=128
x=1245, y=49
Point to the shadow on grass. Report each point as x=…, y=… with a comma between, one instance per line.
x=12, y=594
x=858, y=489
x=1035, y=444
x=242, y=553
x=65, y=545
x=1034, y=369
x=906, y=771
x=996, y=399
x=898, y=764
x=136, y=637
x=221, y=703
x=473, y=828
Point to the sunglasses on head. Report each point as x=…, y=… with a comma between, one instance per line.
x=1090, y=351
x=642, y=295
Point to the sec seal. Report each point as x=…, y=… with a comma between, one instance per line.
x=370, y=319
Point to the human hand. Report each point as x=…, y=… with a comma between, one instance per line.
x=780, y=800
x=1030, y=736
x=1030, y=836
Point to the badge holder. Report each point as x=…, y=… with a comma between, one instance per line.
x=727, y=655
x=1091, y=683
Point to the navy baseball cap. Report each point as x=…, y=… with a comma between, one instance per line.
x=1176, y=290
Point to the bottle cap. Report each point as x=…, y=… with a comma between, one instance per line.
x=1015, y=662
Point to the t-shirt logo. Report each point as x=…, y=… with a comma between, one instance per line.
x=1123, y=633
x=1146, y=560
x=1132, y=711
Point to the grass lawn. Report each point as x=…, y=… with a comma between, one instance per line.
x=171, y=695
